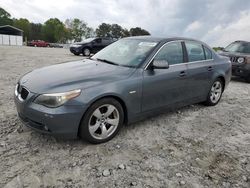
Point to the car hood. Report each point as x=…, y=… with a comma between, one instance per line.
x=230, y=54
x=73, y=75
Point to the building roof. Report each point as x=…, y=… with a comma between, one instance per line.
x=10, y=30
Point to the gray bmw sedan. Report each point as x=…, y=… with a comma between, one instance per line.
x=125, y=82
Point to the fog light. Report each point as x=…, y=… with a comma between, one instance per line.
x=46, y=128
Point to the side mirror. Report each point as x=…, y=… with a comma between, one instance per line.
x=160, y=64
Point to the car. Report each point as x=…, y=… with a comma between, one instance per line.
x=127, y=81
x=90, y=45
x=38, y=43
x=239, y=54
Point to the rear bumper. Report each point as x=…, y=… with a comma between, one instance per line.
x=62, y=122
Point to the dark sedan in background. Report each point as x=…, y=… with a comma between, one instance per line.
x=239, y=54
x=90, y=45
x=128, y=80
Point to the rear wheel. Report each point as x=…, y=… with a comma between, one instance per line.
x=215, y=93
x=86, y=52
x=102, y=121
x=76, y=54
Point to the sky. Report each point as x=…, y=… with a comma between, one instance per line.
x=216, y=22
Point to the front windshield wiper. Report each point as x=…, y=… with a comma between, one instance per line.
x=107, y=61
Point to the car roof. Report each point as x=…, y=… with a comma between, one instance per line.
x=160, y=39
x=241, y=41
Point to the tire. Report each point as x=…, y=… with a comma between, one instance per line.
x=35, y=45
x=76, y=54
x=86, y=52
x=102, y=121
x=215, y=93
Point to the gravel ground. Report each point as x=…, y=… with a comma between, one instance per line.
x=195, y=146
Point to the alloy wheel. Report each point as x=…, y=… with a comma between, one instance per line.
x=104, y=121
x=86, y=52
x=216, y=92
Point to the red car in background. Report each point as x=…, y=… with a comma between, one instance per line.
x=38, y=43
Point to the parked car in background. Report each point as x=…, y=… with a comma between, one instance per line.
x=130, y=79
x=90, y=45
x=56, y=45
x=38, y=43
x=239, y=54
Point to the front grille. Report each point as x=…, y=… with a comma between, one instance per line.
x=234, y=59
x=21, y=92
x=24, y=93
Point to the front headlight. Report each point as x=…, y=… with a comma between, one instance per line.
x=54, y=100
x=240, y=60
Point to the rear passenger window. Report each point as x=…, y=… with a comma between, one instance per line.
x=171, y=52
x=208, y=53
x=195, y=51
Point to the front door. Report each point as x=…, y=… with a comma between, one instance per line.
x=165, y=87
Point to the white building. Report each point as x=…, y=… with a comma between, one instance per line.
x=10, y=35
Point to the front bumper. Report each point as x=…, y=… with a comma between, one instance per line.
x=75, y=50
x=242, y=70
x=63, y=121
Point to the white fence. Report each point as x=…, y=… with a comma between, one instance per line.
x=11, y=40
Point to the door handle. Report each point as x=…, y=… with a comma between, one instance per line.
x=182, y=73
x=210, y=68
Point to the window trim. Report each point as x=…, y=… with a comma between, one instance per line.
x=184, y=54
x=201, y=47
x=151, y=60
x=204, y=49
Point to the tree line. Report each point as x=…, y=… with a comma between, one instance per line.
x=56, y=31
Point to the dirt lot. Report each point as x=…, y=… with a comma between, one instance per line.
x=195, y=146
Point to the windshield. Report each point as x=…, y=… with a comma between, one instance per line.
x=126, y=52
x=85, y=41
x=238, y=47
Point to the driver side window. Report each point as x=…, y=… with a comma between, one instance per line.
x=172, y=53
x=98, y=41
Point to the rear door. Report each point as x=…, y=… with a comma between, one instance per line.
x=200, y=68
x=165, y=87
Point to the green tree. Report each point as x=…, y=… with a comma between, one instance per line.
x=78, y=29
x=116, y=31
x=103, y=30
x=54, y=30
x=24, y=25
x=89, y=32
x=137, y=31
x=125, y=33
x=5, y=17
x=35, y=31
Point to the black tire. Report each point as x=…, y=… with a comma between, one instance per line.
x=86, y=52
x=84, y=129
x=210, y=101
x=76, y=54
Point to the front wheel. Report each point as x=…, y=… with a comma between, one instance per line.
x=102, y=121
x=86, y=52
x=215, y=93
